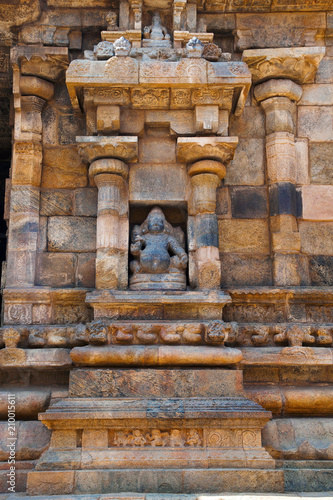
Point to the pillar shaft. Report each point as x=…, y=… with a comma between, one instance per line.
x=112, y=223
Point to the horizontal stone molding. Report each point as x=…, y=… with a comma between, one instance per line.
x=193, y=149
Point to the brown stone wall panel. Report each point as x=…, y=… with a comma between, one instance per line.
x=281, y=19
x=251, y=124
x=158, y=183
x=317, y=203
x=56, y=202
x=321, y=167
x=249, y=6
x=56, y=269
x=316, y=237
x=245, y=270
x=157, y=150
x=70, y=125
x=317, y=95
x=325, y=71
x=315, y=122
x=247, y=166
x=302, y=161
x=244, y=235
x=42, y=235
x=307, y=5
x=24, y=199
x=63, y=168
x=50, y=125
x=321, y=270
x=55, y=482
x=85, y=202
x=71, y=234
x=86, y=269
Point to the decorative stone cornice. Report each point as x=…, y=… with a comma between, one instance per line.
x=296, y=63
x=192, y=149
x=92, y=148
x=44, y=62
x=278, y=88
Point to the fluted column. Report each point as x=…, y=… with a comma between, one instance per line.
x=278, y=99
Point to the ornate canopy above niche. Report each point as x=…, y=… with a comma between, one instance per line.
x=157, y=84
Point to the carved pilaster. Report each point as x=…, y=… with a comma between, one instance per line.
x=279, y=69
x=107, y=156
x=206, y=173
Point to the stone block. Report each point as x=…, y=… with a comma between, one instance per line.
x=71, y=234
x=85, y=273
x=24, y=199
x=21, y=268
x=50, y=125
x=281, y=157
x=26, y=163
x=315, y=122
x=50, y=482
x=132, y=121
x=321, y=270
x=85, y=202
x=325, y=70
x=302, y=161
x=317, y=95
x=250, y=124
x=243, y=270
x=244, y=235
x=206, y=230
x=308, y=480
x=290, y=270
x=63, y=168
x=157, y=150
x=223, y=202
x=158, y=183
x=316, y=237
x=56, y=202
x=118, y=383
x=317, y=202
x=42, y=235
x=282, y=199
x=247, y=166
x=70, y=125
x=93, y=438
x=56, y=269
x=249, y=202
x=108, y=119
x=321, y=170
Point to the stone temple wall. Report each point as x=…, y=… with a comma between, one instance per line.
x=96, y=141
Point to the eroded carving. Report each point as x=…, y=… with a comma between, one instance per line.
x=159, y=256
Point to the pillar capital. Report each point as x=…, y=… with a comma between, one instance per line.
x=278, y=88
x=103, y=168
x=92, y=148
x=211, y=167
x=194, y=149
x=299, y=64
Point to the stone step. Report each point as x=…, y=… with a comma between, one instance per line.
x=192, y=481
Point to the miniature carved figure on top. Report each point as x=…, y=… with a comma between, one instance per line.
x=160, y=258
x=156, y=35
x=194, y=47
x=122, y=47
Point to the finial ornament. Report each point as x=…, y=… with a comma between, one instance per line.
x=122, y=47
x=194, y=47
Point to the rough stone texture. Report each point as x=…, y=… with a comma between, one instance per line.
x=321, y=170
x=249, y=202
x=56, y=202
x=247, y=167
x=243, y=270
x=85, y=202
x=316, y=123
x=56, y=269
x=244, y=235
x=63, y=168
x=316, y=237
x=71, y=234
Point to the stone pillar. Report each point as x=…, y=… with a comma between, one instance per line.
x=278, y=99
x=206, y=177
x=112, y=223
x=30, y=96
x=207, y=157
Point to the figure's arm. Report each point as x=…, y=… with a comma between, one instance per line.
x=175, y=247
x=136, y=247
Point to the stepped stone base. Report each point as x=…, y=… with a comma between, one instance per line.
x=155, y=481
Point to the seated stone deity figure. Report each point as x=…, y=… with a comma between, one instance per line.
x=159, y=257
x=156, y=35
